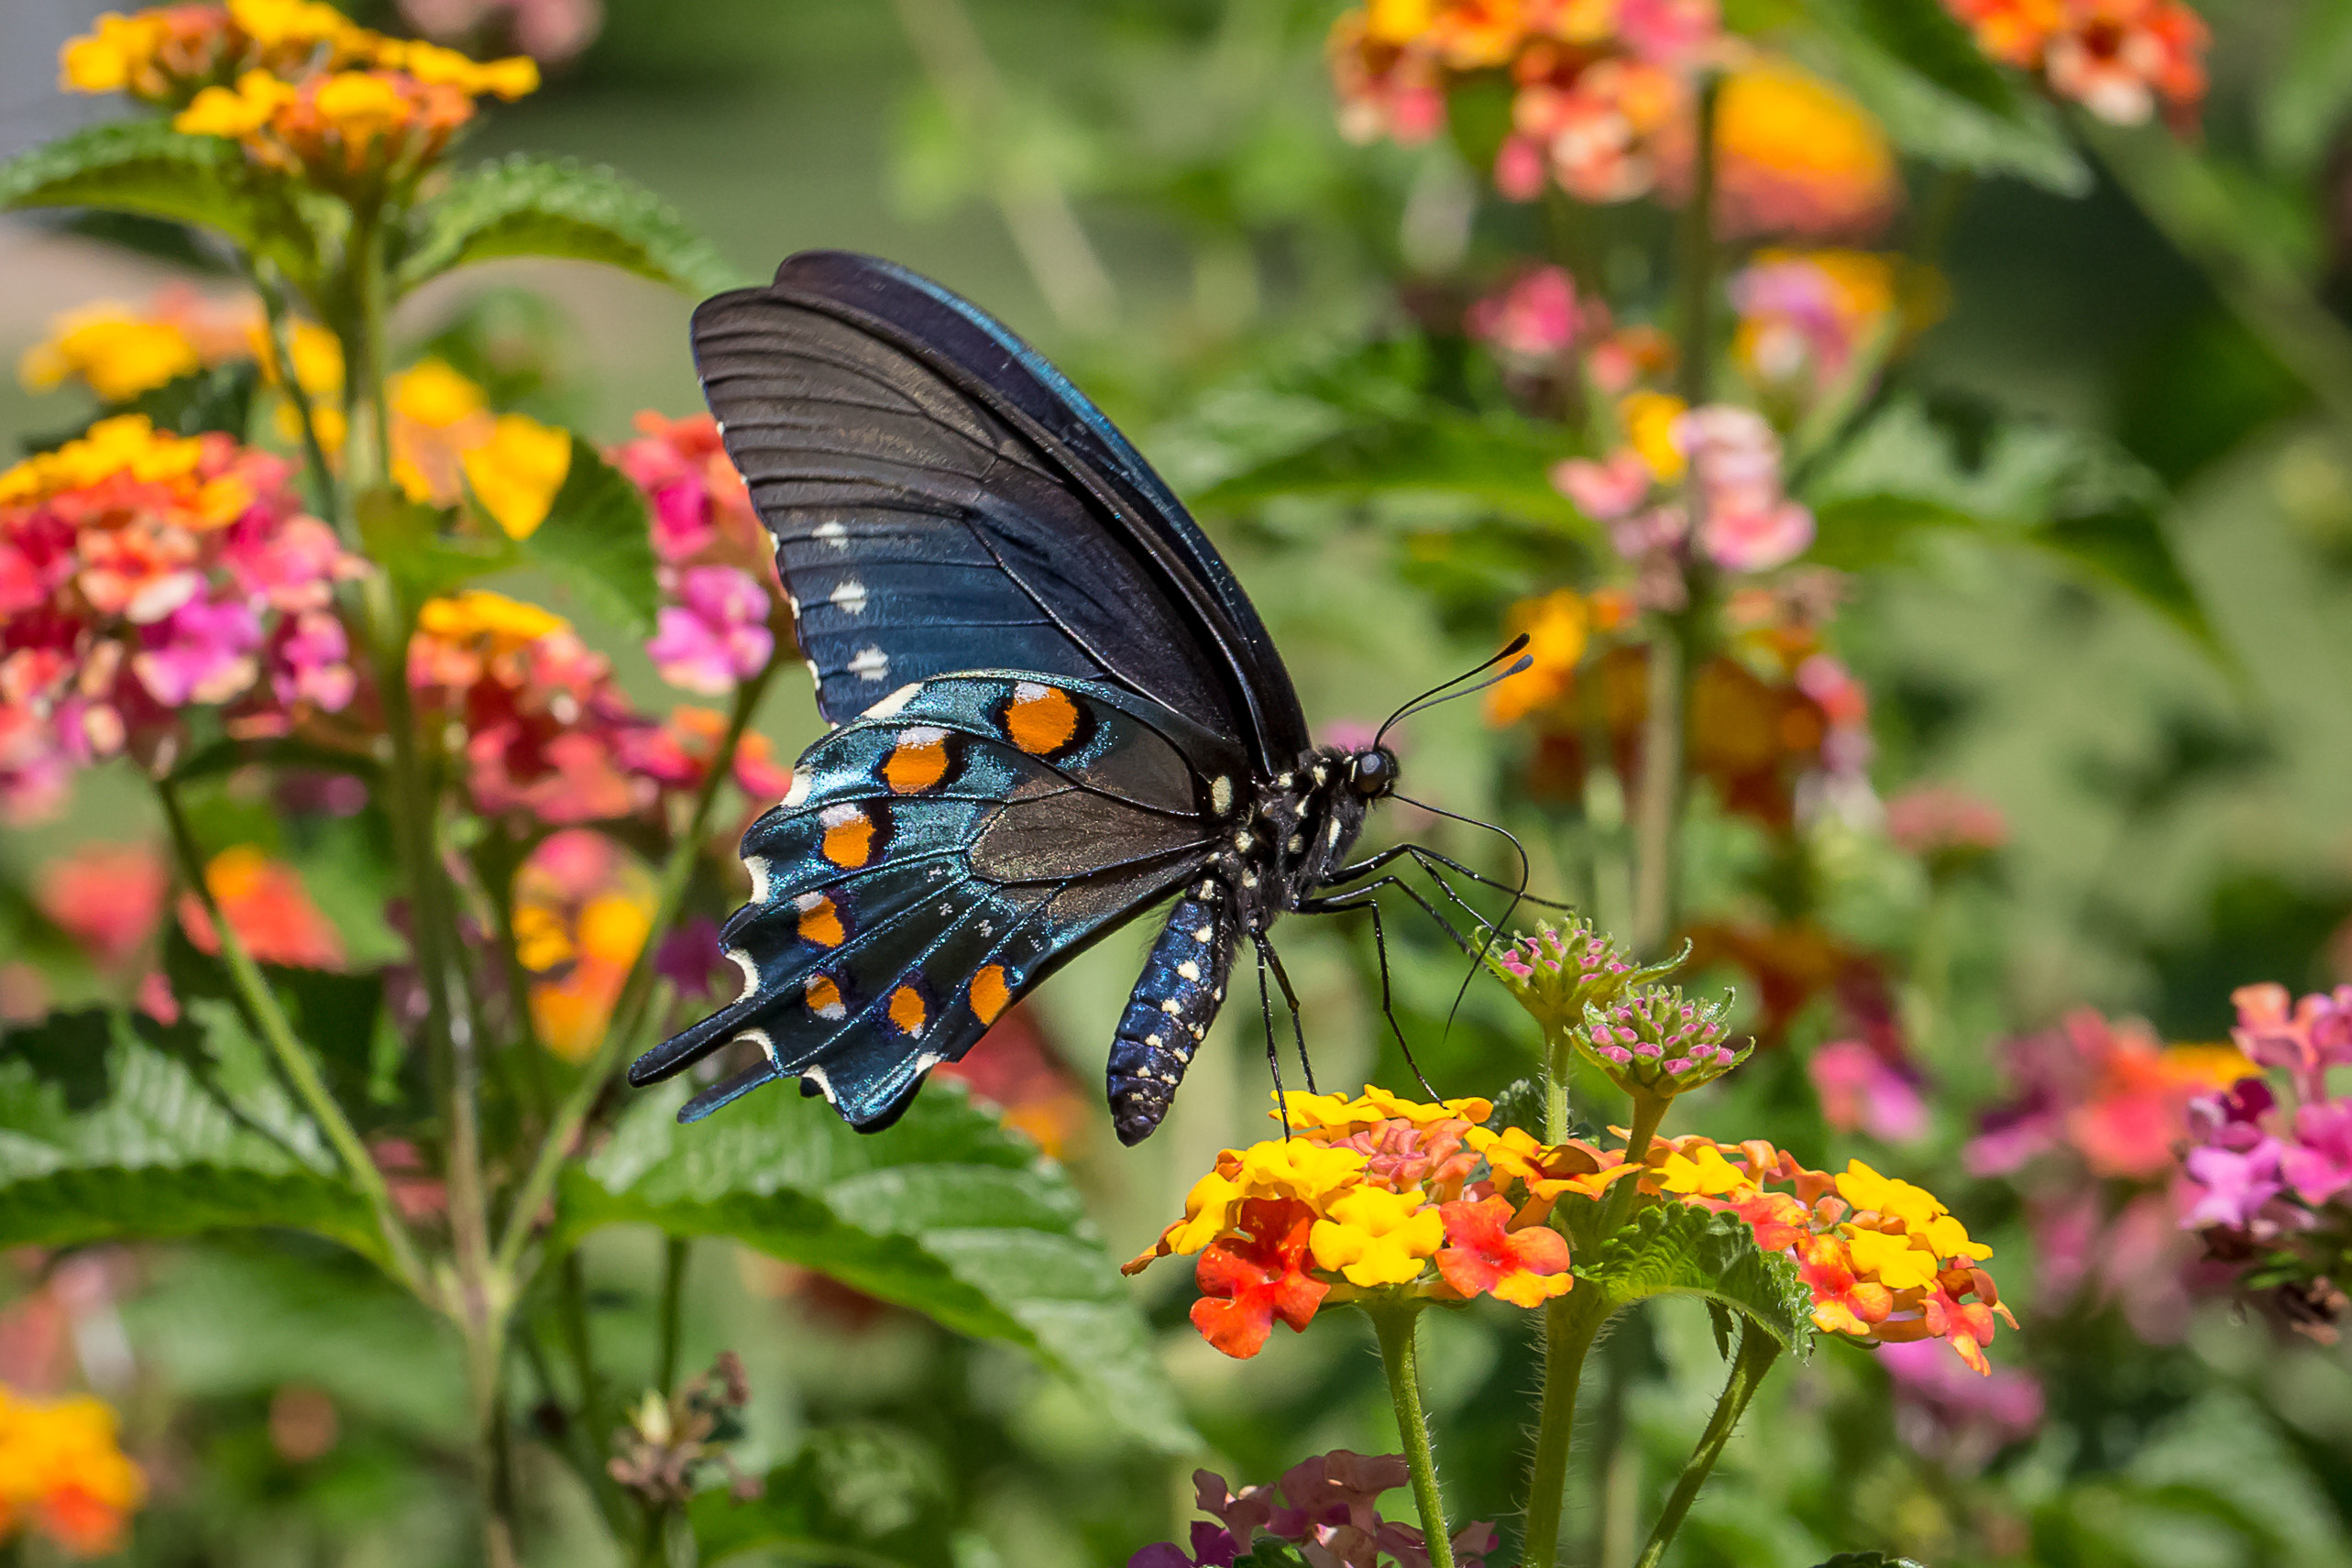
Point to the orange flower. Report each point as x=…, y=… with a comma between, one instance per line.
x=266, y=904
x=108, y=897
x=63, y=1474
x=583, y=909
x=1797, y=157
x=1255, y=1276
x=1525, y=1267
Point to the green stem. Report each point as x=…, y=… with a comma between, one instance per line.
x=596, y=1416
x=297, y=396
x=1649, y=1110
x=1394, y=1322
x=1757, y=1352
x=1571, y=1323
x=674, y=1253
x=629, y=1010
x=294, y=1058
x=1695, y=259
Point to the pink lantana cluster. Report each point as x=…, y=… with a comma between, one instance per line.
x=1746, y=523
x=2269, y=1178
x=2092, y=1134
x=1595, y=87
x=715, y=561
x=142, y=575
x=2119, y=59
x=1328, y=1507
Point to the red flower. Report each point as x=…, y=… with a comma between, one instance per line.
x=1248, y=1281
x=1524, y=1268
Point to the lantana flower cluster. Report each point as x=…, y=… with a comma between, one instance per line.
x=296, y=82
x=1810, y=320
x=1731, y=457
x=1328, y=1507
x=1374, y=1192
x=2092, y=1134
x=142, y=574
x=1885, y=1260
x=715, y=559
x=63, y=1474
x=2269, y=1174
x=2119, y=59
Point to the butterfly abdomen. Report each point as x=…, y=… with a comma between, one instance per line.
x=1169, y=1012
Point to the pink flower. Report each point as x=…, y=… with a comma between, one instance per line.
x=1532, y=320
x=1759, y=539
x=2315, y=1036
x=1861, y=1091
x=202, y=653
x=1932, y=819
x=1749, y=525
x=2230, y=1187
x=1672, y=33
x=2318, y=1163
x=1606, y=490
x=108, y=897
x=310, y=662
x=1519, y=169
x=718, y=635
x=1947, y=1412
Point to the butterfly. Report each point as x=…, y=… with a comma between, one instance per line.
x=1053, y=708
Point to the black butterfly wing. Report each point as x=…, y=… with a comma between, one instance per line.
x=935, y=860
x=943, y=500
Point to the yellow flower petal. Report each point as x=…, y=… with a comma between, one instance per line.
x=516, y=473
x=1649, y=426
x=1894, y=1260
x=1373, y=1236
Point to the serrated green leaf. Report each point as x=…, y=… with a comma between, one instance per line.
x=538, y=206
x=146, y=167
x=947, y=1213
x=597, y=539
x=405, y=538
x=1673, y=1249
x=1915, y=68
x=165, y=1153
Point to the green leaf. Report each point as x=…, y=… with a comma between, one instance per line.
x=406, y=539
x=1501, y=462
x=1673, y=1249
x=863, y=1496
x=539, y=206
x=1868, y=1560
x=146, y=167
x=166, y=1153
x=1915, y=67
x=947, y=1213
x=597, y=539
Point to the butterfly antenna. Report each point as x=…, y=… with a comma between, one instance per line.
x=1494, y=929
x=1410, y=708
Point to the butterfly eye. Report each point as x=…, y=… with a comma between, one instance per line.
x=1373, y=773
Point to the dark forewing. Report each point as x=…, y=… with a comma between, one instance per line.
x=943, y=500
x=920, y=877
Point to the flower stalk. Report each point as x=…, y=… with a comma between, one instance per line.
x=1395, y=1323
x=1757, y=1352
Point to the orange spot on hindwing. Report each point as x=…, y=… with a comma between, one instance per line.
x=820, y=921
x=1041, y=718
x=906, y=1010
x=990, y=994
x=825, y=999
x=849, y=836
x=919, y=761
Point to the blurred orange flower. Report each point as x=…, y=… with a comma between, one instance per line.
x=63, y=1475
x=266, y=904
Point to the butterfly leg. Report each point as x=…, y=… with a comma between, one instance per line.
x=1291, y=998
x=1422, y=855
x=1349, y=904
x=1273, y=1051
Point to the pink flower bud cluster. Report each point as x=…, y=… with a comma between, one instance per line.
x=143, y=574
x=1655, y=1040
x=1327, y=1505
x=1559, y=971
x=1746, y=523
x=715, y=559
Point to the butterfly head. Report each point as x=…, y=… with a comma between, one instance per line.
x=1373, y=773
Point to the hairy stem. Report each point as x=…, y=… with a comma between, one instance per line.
x=1757, y=1352
x=294, y=1058
x=1649, y=1110
x=630, y=1009
x=1571, y=1323
x=1394, y=1323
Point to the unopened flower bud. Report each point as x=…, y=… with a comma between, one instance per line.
x=1653, y=1040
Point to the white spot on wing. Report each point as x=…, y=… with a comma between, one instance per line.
x=743, y=960
x=1221, y=794
x=801, y=780
x=816, y=1075
x=758, y=866
x=765, y=1042
x=832, y=534
x=840, y=815
x=870, y=663
x=849, y=597
x=925, y=1061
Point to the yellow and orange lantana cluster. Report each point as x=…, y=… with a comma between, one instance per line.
x=444, y=433
x=1885, y=1260
x=63, y=1475
x=1375, y=1192
x=295, y=82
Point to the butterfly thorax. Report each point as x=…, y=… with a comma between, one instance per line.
x=1292, y=833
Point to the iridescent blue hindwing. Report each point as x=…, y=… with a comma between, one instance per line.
x=935, y=860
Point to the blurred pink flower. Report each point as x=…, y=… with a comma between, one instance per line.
x=1532, y=321
x=203, y=652
x=551, y=31
x=108, y=897
x=1748, y=524
x=1605, y=490
x=2306, y=1038
x=1946, y=1411
x=1930, y=819
x=2318, y=1163
x=1862, y=1091
x=717, y=635
x=2231, y=1185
